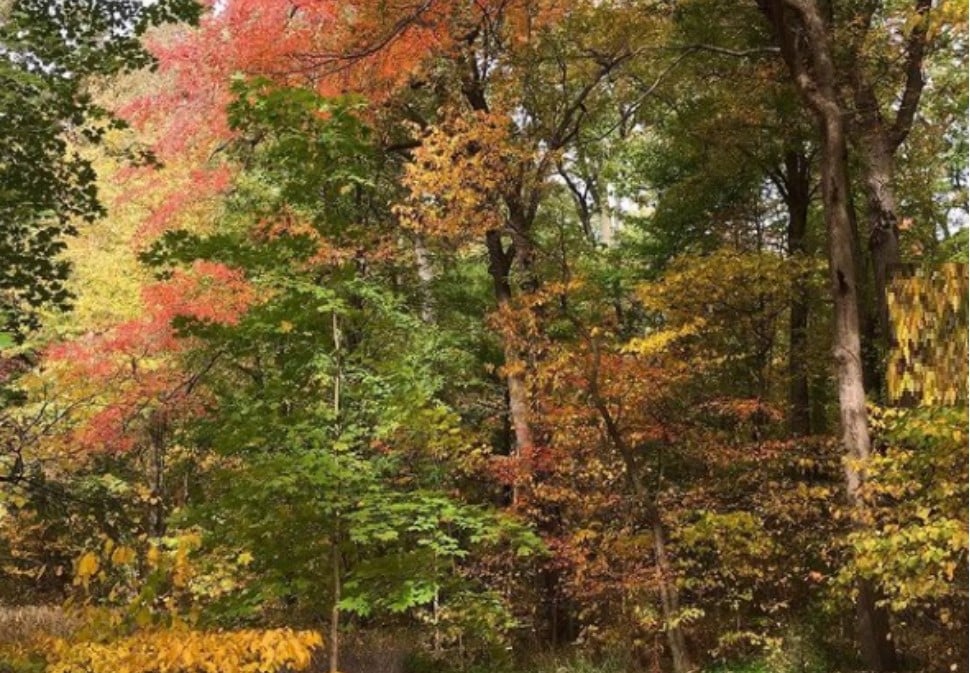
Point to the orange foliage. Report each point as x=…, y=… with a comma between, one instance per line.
x=459, y=175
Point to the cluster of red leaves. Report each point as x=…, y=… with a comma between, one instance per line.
x=205, y=183
x=331, y=46
x=575, y=488
x=132, y=369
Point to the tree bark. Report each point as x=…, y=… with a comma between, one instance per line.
x=670, y=602
x=605, y=223
x=874, y=147
x=806, y=46
x=425, y=278
x=334, y=663
x=157, y=430
x=499, y=267
x=877, y=139
x=883, y=228
x=334, y=659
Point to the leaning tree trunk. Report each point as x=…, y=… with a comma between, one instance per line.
x=805, y=41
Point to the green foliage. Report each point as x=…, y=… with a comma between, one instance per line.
x=328, y=435
x=48, y=52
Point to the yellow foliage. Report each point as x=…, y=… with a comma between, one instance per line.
x=87, y=567
x=928, y=311
x=122, y=555
x=460, y=174
x=657, y=342
x=180, y=650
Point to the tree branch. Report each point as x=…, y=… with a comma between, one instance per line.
x=915, y=82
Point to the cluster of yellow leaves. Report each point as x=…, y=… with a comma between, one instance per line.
x=724, y=313
x=915, y=537
x=116, y=572
x=180, y=650
x=947, y=17
x=728, y=285
x=459, y=175
x=928, y=311
x=91, y=565
x=659, y=341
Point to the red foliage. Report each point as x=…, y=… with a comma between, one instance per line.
x=132, y=368
x=205, y=183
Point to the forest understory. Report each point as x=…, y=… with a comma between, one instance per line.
x=483, y=336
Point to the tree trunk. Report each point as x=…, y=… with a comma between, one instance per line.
x=335, y=561
x=670, y=603
x=518, y=405
x=425, y=277
x=499, y=266
x=334, y=663
x=157, y=429
x=877, y=138
x=883, y=226
x=805, y=41
x=873, y=624
x=799, y=397
x=605, y=219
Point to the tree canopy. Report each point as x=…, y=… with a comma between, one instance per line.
x=508, y=335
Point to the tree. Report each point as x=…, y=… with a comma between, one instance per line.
x=877, y=130
x=48, y=54
x=806, y=42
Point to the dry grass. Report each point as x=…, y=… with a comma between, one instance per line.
x=20, y=624
x=371, y=652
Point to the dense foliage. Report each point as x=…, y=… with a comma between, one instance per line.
x=498, y=335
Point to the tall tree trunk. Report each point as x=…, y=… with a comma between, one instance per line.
x=157, y=430
x=883, y=227
x=499, y=266
x=805, y=40
x=425, y=277
x=334, y=663
x=873, y=625
x=877, y=138
x=334, y=659
x=874, y=149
